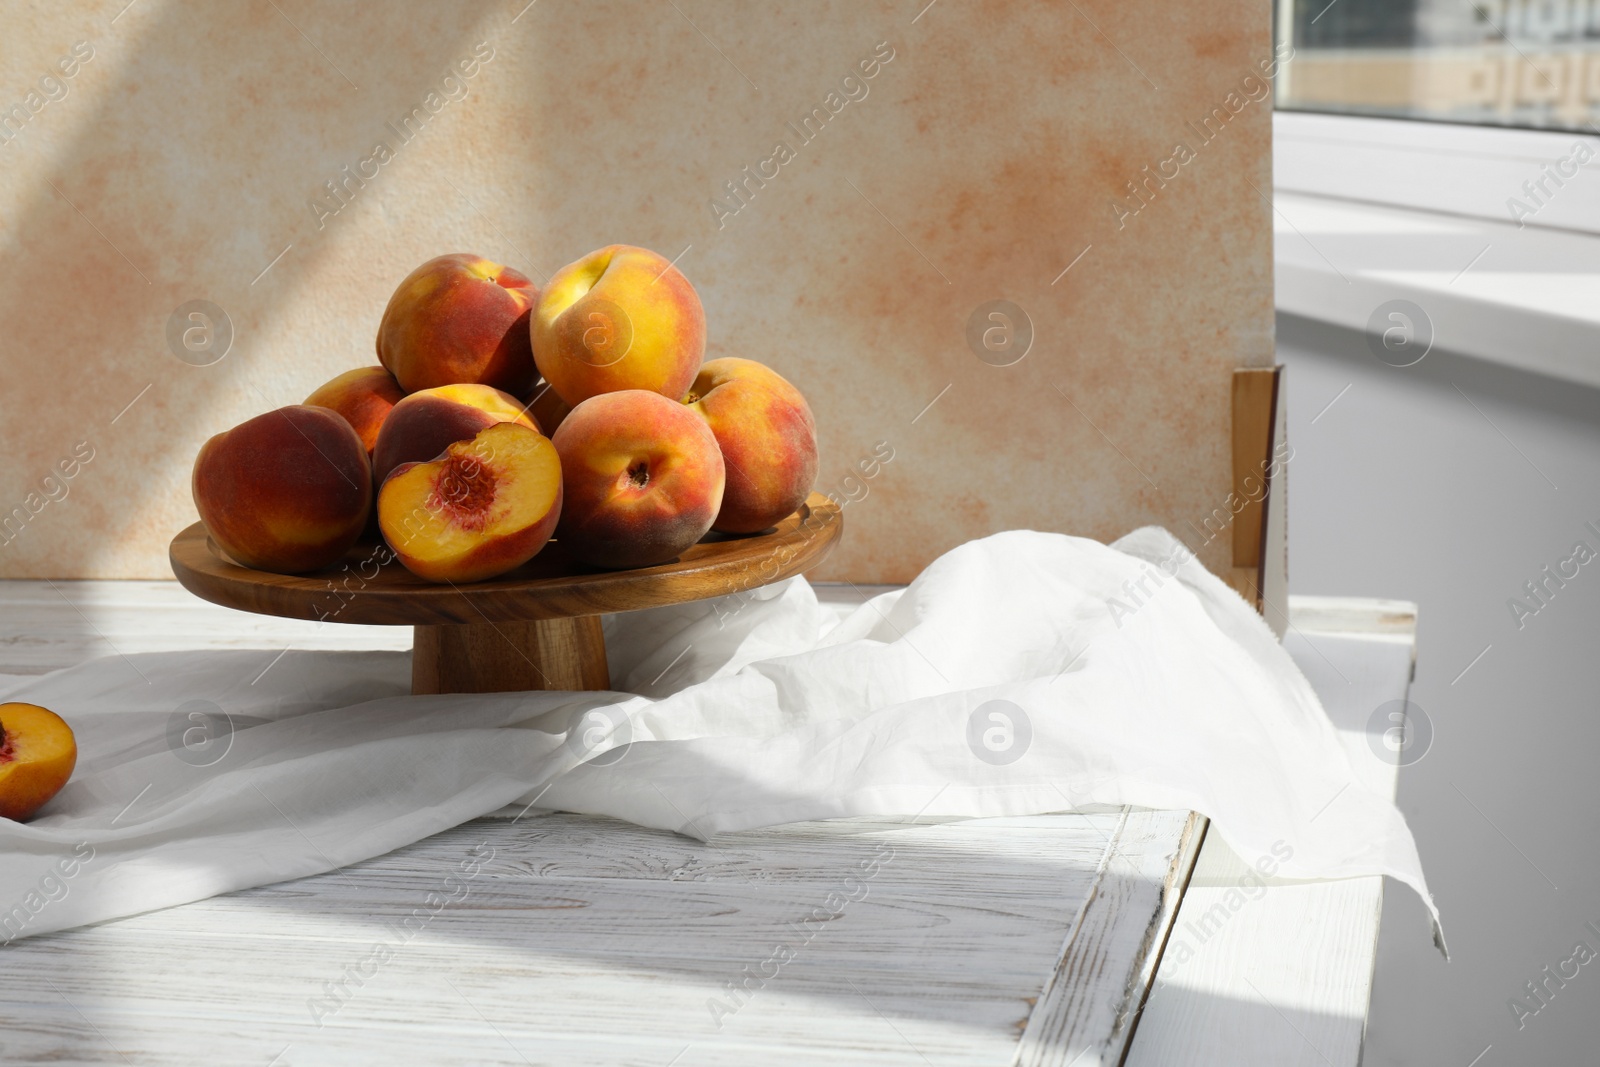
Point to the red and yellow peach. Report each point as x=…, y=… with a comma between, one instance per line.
x=364, y=397
x=459, y=319
x=288, y=491
x=642, y=476
x=619, y=318
x=768, y=440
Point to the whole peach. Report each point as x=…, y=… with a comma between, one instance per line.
x=619, y=318
x=364, y=397
x=642, y=479
x=459, y=319
x=288, y=491
x=767, y=436
x=424, y=423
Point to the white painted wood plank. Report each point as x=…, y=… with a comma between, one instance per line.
x=1354, y=615
x=1075, y=1024
x=584, y=940
x=1280, y=974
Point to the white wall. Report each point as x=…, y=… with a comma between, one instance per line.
x=1452, y=483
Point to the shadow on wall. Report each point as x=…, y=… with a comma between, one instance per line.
x=213, y=129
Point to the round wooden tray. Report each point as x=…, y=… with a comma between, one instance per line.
x=537, y=627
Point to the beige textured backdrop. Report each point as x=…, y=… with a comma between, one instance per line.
x=183, y=158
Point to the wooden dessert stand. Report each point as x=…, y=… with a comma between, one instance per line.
x=535, y=628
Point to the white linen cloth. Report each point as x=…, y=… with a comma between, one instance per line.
x=1130, y=675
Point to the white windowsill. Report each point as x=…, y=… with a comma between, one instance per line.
x=1527, y=297
x=1478, y=171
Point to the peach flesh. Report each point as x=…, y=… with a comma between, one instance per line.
x=484, y=507
x=463, y=492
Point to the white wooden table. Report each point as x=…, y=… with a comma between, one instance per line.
x=576, y=940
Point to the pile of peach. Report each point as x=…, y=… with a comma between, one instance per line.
x=649, y=450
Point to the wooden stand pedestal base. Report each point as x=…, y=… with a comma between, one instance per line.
x=502, y=657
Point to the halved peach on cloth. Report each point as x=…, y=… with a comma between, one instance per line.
x=482, y=508
x=37, y=754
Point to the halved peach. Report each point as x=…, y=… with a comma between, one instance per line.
x=483, y=507
x=37, y=754
x=424, y=423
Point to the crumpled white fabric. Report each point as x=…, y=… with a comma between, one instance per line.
x=1128, y=675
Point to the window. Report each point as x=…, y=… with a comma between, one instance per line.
x=1526, y=63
